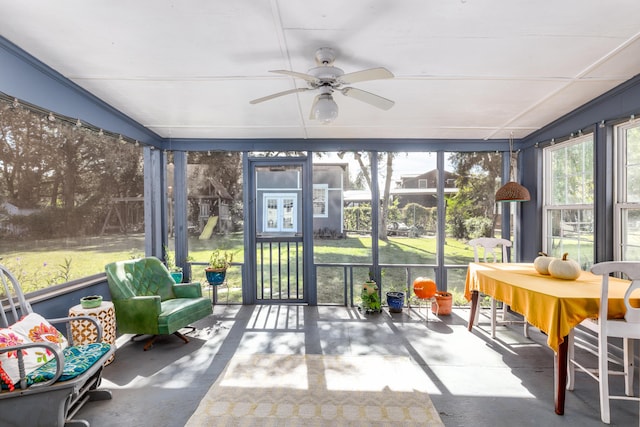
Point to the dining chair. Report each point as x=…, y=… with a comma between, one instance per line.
x=495, y=249
x=627, y=328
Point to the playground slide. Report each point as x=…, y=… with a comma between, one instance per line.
x=208, y=229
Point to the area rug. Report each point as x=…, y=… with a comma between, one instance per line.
x=314, y=390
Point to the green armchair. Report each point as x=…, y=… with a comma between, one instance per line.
x=148, y=302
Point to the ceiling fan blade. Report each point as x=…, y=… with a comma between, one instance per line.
x=307, y=77
x=368, y=97
x=276, y=95
x=364, y=75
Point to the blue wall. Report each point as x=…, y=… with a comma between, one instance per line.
x=599, y=116
x=59, y=306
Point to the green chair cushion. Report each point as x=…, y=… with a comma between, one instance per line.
x=179, y=312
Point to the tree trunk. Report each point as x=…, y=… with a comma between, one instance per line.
x=386, y=199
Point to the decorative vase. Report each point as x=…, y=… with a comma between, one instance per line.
x=91, y=301
x=395, y=301
x=444, y=300
x=177, y=276
x=216, y=276
x=370, y=297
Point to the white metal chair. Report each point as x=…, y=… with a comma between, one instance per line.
x=495, y=249
x=627, y=329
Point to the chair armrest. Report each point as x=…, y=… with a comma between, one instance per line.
x=59, y=357
x=68, y=320
x=188, y=290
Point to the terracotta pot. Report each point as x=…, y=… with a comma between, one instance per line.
x=445, y=301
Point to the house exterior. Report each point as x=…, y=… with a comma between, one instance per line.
x=328, y=198
x=421, y=189
x=279, y=200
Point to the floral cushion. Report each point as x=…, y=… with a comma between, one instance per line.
x=37, y=329
x=9, y=372
x=31, y=328
x=77, y=360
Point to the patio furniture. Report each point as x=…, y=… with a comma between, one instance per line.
x=555, y=306
x=491, y=247
x=149, y=302
x=84, y=331
x=46, y=377
x=605, y=325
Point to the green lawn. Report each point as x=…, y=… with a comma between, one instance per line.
x=42, y=263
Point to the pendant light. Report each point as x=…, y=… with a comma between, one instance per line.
x=512, y=191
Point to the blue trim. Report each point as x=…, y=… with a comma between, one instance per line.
x=24, y=77
x=620, y=102
x=298, y=144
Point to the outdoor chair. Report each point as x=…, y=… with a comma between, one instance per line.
x=627, y=328
x=148, y=301
x=45, y=378
x=491, y=248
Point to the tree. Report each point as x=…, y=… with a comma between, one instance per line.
x=67, y=173
x=477, y=177
x=365, y=175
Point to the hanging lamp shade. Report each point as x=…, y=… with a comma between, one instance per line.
x=512, y=192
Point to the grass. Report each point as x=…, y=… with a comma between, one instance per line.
x=42, y=263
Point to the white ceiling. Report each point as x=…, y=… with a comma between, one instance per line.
x=477, y=69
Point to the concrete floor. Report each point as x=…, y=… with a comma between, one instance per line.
x=475, y=381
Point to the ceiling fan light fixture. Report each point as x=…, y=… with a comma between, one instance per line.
x=326, y=109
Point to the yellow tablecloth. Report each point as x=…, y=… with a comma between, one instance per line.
x=553, y=305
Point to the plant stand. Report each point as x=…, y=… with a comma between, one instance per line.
x=216, y=278
x=213, y=290
x=431, y=303
x=85, y=332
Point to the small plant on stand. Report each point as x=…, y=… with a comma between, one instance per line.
x=219, y=261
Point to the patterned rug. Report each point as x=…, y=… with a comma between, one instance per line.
x=314, y=390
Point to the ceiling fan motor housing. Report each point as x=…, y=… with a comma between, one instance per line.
x=326, y=75
x=325, y=56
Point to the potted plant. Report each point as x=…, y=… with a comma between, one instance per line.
x=216, y=271
x=370, y=296
x=174, y=270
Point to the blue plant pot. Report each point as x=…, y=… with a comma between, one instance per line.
x=215, y=277
x=395, y=301
x=177, y=276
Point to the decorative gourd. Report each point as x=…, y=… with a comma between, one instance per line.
x=564, y=268
x=424, y=288
x=541, y=263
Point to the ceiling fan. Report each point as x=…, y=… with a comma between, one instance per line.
x=326, y=78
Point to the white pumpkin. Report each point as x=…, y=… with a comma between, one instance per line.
x=541, y=263
x=564, y=268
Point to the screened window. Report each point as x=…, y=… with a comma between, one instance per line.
x=71, y=197
x=568, y=200
x=627, y=206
